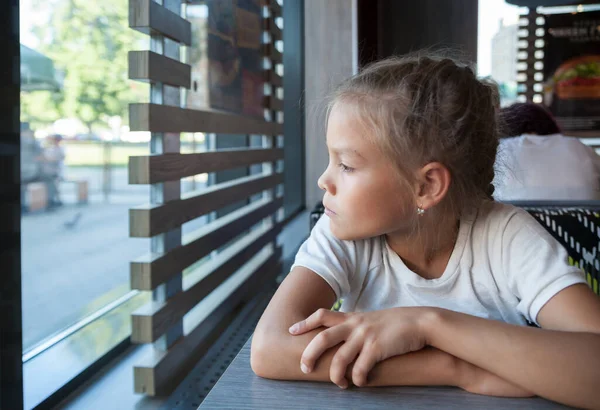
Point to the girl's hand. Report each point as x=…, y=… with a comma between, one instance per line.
x=372, y=336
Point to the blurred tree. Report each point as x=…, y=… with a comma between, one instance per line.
x=88, y=41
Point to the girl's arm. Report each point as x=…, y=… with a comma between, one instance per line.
x=560, y=362
x=276, y=353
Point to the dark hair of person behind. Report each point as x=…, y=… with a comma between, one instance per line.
x=527, y=118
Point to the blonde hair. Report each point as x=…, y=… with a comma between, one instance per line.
x=425, y=108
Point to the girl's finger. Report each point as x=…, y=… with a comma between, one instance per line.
x=342, y=359
x=321, y=317
x=367, y=359
x=320, y=343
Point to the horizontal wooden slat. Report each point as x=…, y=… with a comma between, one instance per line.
x=272, y=78
x=583, y=134
x=155, y=68
x=531, y=60
x=149, y=220
x=152, y=321
x=149, y=17
x=273, y=103
x=164, y=118
x=160, y=373
x=151, y=169
x=273, y=29
x=270, y=51
x=530, y=71
x=153, y=269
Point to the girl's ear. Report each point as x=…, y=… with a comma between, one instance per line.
x=434, y=180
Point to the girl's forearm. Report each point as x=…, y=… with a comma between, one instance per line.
x=561, y=366
x=278, y=357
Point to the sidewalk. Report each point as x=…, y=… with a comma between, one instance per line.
x=76, y=258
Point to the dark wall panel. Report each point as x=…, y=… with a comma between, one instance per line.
x=11, y=373
x=391, y=27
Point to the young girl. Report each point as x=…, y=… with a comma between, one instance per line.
x=438, y=281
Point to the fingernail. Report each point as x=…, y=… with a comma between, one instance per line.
x=294, y=328
x=304, y=368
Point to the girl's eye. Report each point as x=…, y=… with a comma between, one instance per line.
x=345, y=168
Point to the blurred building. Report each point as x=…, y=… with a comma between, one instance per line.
x=504, y=53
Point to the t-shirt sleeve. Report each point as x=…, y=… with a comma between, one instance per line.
x=331, y=258
x=535, y=263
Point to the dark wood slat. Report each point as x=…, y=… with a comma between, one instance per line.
x=273, y=29
x=147, y=17
x=272, y=78
x=159, y=374
x=273, y=103
x=163, y=118
x=530, y=71
x=274, y=7
x=151, y=169
x=530, y=60
x=152, y=321
x=150, y=220
x=270, y=51
x=155, y=68
x=153, y=269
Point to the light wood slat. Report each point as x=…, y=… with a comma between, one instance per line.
x=274, y=7
x=152, y=321
x=273, y=103
x=155, y=68
x=151, y=169
x=150, y=220
x=272, y=78
x=148, y=16
x=162, y=372
x=270, y=51
x=163, y=118
x=151, y=270
x=273, y=29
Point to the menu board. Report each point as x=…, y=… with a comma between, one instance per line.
x=572, y=69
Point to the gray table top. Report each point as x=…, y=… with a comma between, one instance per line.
x=240, y=388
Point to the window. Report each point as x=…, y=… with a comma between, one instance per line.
x=497, y=46
x=75, y=193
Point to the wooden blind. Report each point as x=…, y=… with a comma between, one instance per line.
x=254, y=257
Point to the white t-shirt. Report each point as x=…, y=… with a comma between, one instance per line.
x=504, y=266
x=534, y=167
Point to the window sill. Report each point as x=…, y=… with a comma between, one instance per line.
x=59, y=368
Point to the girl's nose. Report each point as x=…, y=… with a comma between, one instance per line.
x=324, y=182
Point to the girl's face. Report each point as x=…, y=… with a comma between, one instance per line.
x=363, y=195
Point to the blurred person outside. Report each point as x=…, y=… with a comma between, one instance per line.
x=536, y=161
x=53, y=169
x=31, y=160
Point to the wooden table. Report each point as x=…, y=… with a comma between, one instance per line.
x=240, y=388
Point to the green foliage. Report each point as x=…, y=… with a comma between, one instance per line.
x=88, y=41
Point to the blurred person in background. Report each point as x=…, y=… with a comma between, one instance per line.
x=536, y=161
x=53, y=169
x=31, y=161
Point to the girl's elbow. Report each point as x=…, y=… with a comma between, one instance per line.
x=259, y=358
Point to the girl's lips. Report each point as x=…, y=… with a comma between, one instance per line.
x=329, y=212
